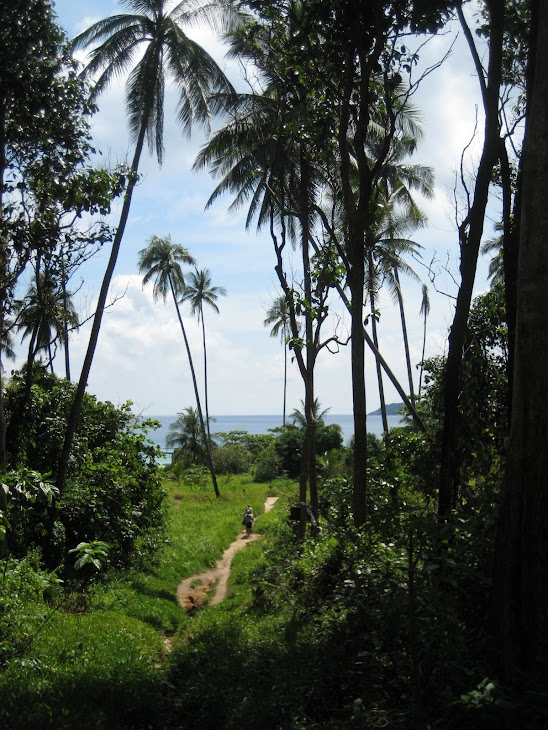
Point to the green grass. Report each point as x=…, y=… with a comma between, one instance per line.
x=106, y=667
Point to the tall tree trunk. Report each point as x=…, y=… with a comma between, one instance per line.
x=205, y=376
x=3, y=453
x=196, y=393
x=66, y=329
x=356, y=281
x=519, y=608
x=405, y=338
x=377, y=363
x=425, y=309
x=417, y=420
x=308, y=460
x=76, y=408
x=285, y=382
x=470, y=233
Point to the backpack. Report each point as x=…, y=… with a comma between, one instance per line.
x=248, y=519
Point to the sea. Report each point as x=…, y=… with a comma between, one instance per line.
x=262, y=424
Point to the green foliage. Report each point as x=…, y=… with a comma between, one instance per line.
x=241, y=452
x=482, y=426
x=98, y=663
x=23, y=587
x=289, y=443
x=93, y=553
x=185, y=436
x=268, y=465
x=113, y=494
x=288, y=447
x=232, y=458
x=94, y=671
x=196, y=477
x=47, y=182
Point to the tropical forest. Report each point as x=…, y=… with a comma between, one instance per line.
x=389, y=581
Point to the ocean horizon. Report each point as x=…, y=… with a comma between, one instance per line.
x=255, y=424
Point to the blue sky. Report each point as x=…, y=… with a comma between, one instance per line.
x=141, y=357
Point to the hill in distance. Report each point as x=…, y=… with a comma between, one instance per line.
x=392, y=409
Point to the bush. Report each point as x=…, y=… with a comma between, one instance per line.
x=231, y=458
x=113, y=491
x=22, y=588
x=288, y=447
x=268, y=466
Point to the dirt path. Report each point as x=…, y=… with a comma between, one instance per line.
x=193, y=591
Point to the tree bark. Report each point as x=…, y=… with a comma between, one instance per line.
x=519, y=607
x=405, y=338
x=356, y=280
x=377, y=363
x=470, y=233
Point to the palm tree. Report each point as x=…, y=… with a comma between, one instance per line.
x=259, y=159
x=278, y=316
x=185, y=435
x=299, y=418
x=385, y=247
x=494, y=246
x=199, y=292
x=160, y=261
x=156, y=37
x=424, y=311
x=6, y=343
x=45, y=315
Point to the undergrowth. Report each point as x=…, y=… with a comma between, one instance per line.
x=93, y=656
x=382, y=627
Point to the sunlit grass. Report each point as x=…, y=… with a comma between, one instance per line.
x=103, y=668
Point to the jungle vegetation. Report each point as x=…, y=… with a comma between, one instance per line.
x=410, y=589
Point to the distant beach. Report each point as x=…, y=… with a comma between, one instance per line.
x=262, y=424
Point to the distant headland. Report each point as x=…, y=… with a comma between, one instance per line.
x=392, y=409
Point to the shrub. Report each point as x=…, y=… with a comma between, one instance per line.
x=268, y=466
x=113, y=491
x=232, y=458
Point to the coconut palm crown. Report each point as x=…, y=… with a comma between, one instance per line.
x=167, y=53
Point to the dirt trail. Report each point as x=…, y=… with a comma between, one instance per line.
x=193, y=591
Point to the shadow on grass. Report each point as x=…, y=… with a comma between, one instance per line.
x=84, y=702
x=146, y=590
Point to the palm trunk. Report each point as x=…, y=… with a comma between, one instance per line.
x=423, y=351
x=405, y=338
x=4, y=273
x=66, y=331
x=377, y=364
x=205, y=377
x=285, y=382
x=30, y=362
x=309, y=457
x=196, y=392
x=76, y=408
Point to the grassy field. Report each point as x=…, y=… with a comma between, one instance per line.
x=102, y=663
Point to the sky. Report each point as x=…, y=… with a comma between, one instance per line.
x=140, y=355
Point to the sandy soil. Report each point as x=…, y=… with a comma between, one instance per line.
x=193, y=591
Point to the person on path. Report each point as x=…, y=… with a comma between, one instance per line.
x=248, y=520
